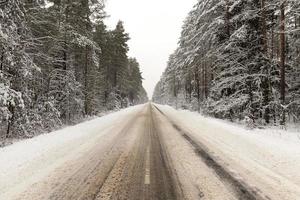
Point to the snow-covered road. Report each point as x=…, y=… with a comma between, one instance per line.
x=153, y=152
x=24, y=165
x=267, y=160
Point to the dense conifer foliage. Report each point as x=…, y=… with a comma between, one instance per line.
x=237, y=59
x=59, y=64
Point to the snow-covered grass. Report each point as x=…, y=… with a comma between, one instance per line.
x=267, y=158
x=9, y=141
x=290, y=133
x=30, y=160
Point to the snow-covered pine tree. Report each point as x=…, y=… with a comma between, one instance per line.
x=119, y=65
x=228, y=61
x=16, y=69
x=293, y=60
x=57, y=64
x=242, y=86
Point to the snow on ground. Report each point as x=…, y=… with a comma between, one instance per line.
x=33, y=159
x=196, y=178
x=268, y=159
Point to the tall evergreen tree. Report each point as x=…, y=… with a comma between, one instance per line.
x=236, y=60
x=16, y=69
x=59, y=63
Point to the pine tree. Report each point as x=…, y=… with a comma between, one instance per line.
x=228, y=61
x=119, y=63
x=16, y=68
x=59, y=63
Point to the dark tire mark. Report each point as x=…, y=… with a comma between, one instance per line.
x=131, y=183
x=87, y=180
x=241, y=189
x=164, y=173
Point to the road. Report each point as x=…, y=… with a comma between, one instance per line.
x=142, y=156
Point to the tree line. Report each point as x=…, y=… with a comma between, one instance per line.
x=59, y=63
x=237, y=59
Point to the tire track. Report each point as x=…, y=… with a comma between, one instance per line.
x=87, y=180
x=144, y=172
x=240, y=188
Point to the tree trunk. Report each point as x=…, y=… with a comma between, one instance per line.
x=88, y=87
x=272, y=37
x=66, y=115
x=10, y=120
x=282, y=59
x=86, y=101
x=264, y=27
x=2, y=60
x=197, y=79
x=205, y=79
x=227, y=19
x=265, y=81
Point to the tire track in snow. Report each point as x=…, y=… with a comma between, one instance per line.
x=240, y=188
x=142, y=173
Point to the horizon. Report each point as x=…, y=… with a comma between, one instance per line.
x=150, y=47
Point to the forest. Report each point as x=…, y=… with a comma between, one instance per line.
x=237, y=60
x=59, y=64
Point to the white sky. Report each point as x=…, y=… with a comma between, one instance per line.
x=154, y=27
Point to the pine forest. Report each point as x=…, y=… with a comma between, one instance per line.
x=59, y=64
x=237, y=60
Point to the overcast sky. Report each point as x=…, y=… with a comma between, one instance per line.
x=154, y=27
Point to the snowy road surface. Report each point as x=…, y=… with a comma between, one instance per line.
x=152, y=152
